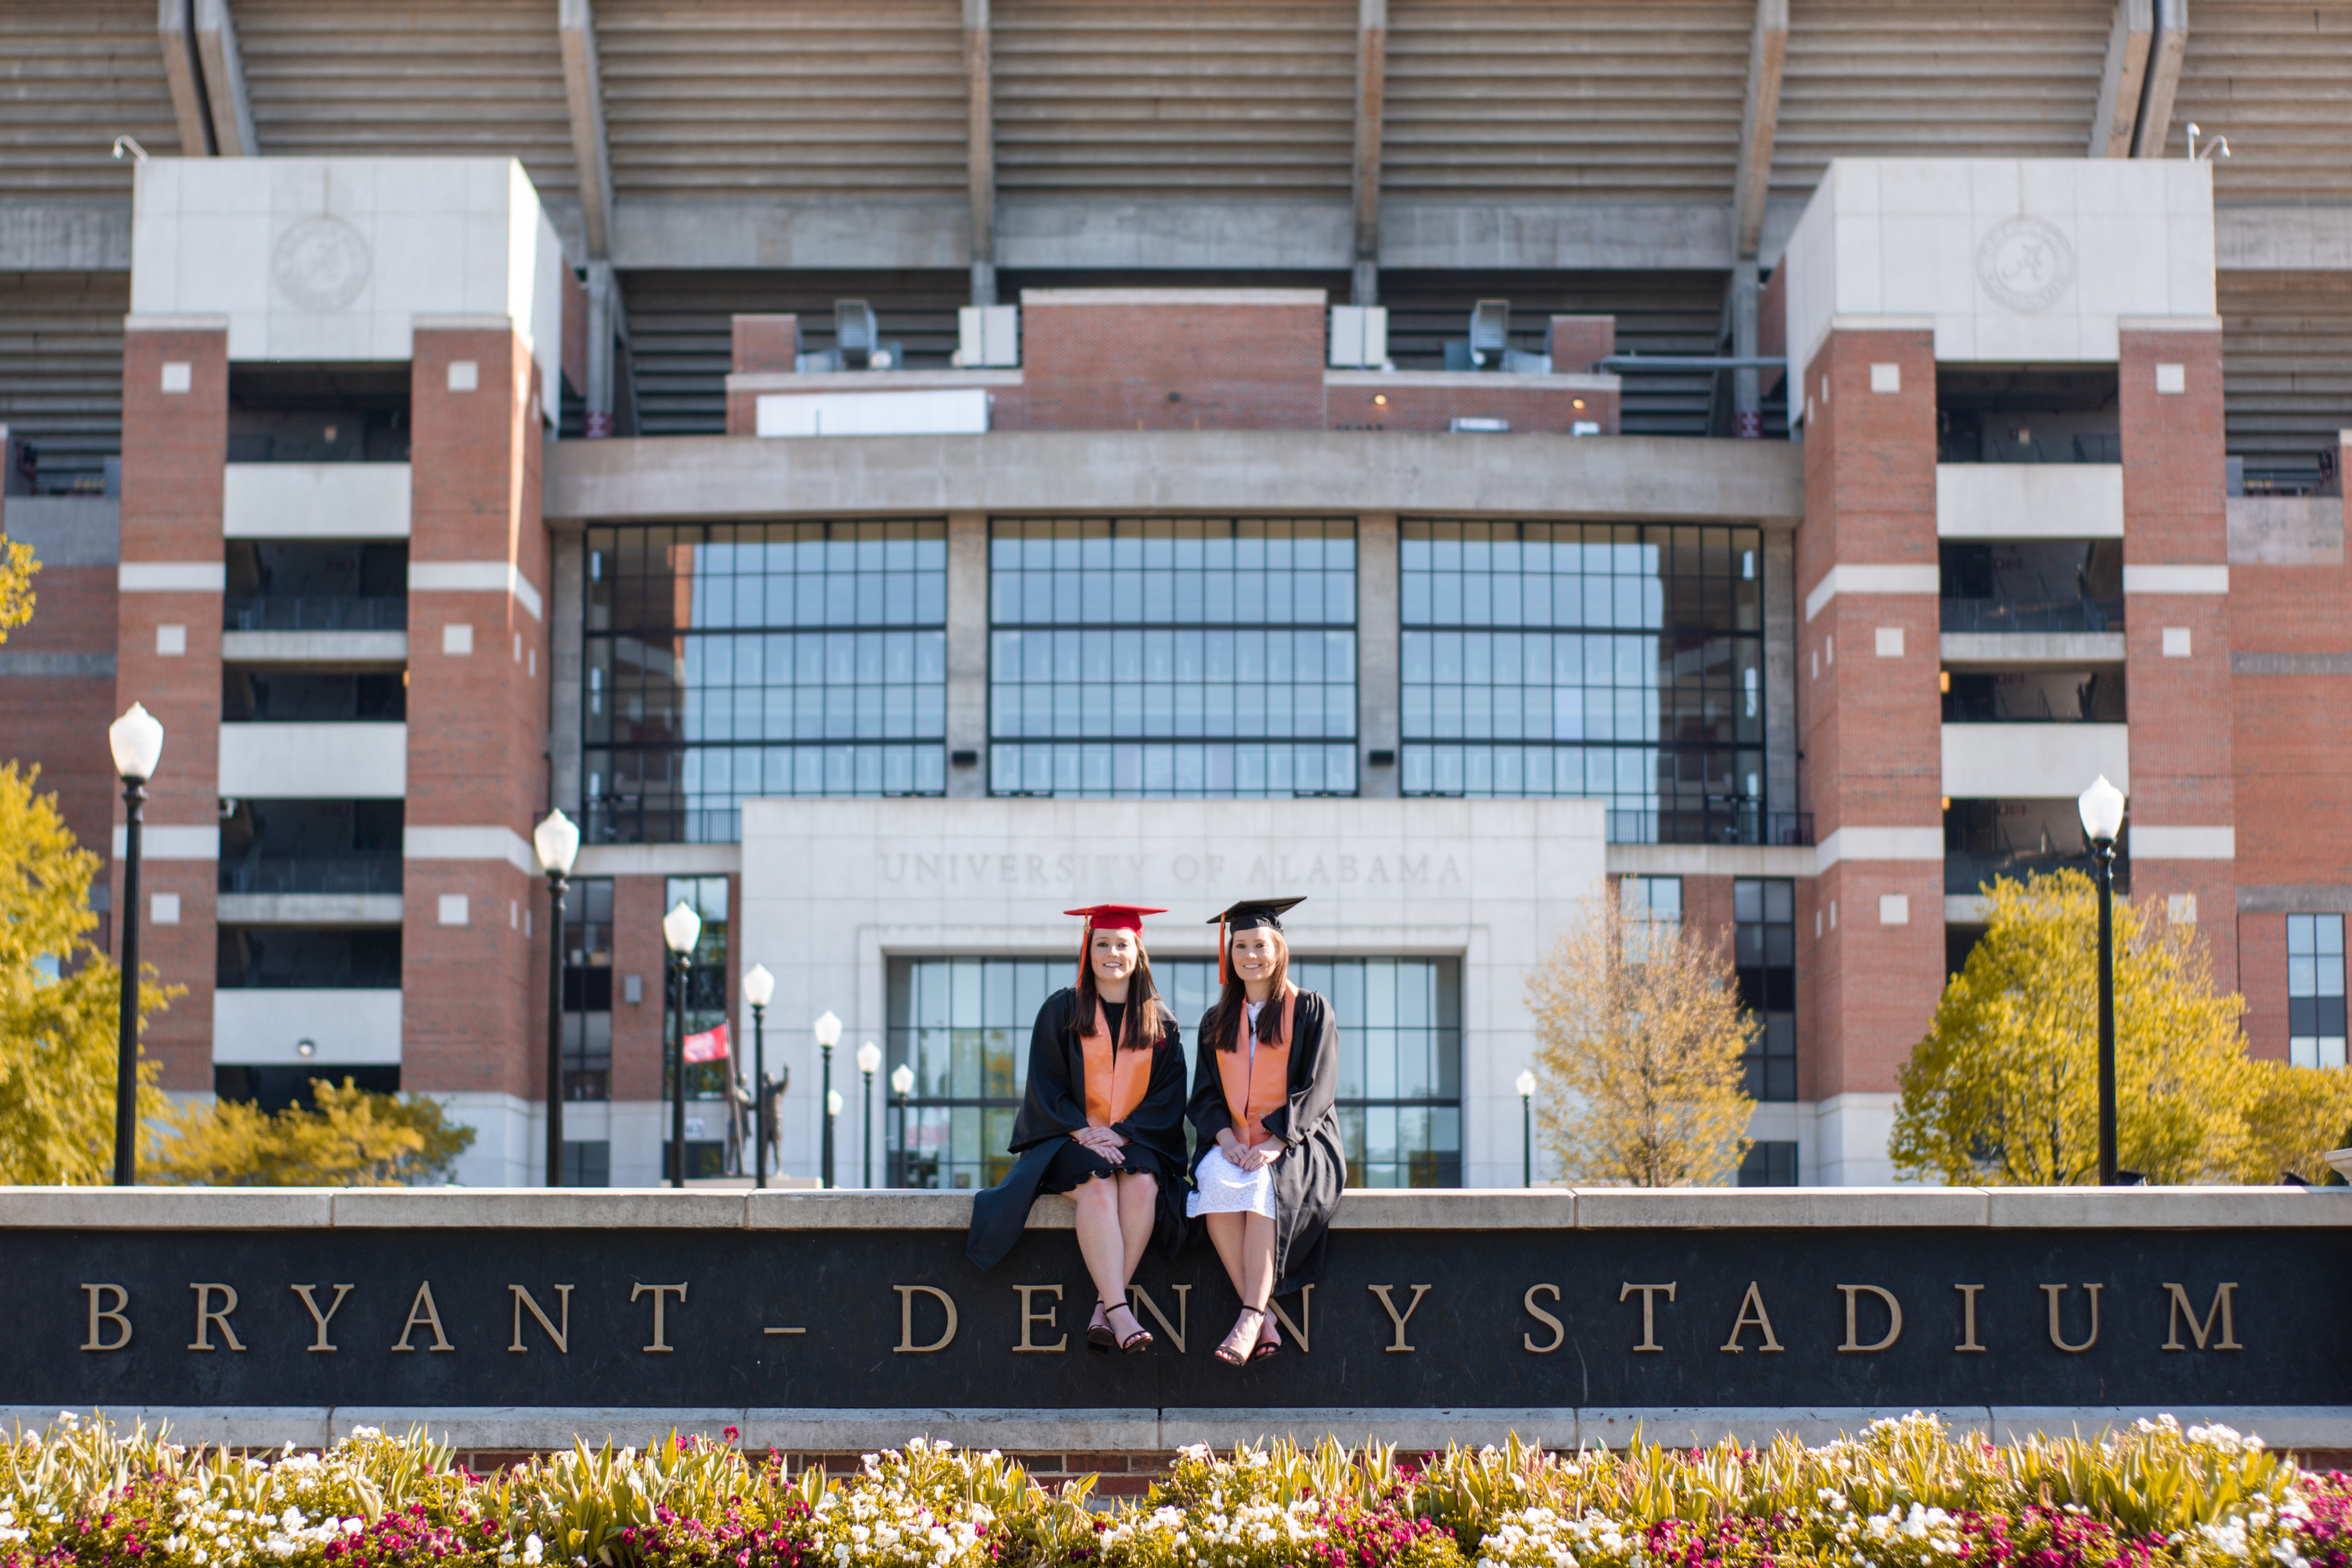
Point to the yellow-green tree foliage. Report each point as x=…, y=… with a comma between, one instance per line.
x=16, y=569
x=1639, y=1032
x=348, y=1137
x=59, y=1001
x=2005, y=1088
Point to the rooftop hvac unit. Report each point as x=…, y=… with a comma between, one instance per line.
x=1488, y=346
x=856, y=343
x=988, y=335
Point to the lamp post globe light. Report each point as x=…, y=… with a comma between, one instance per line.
x=137, y=739
x=681, y=929
x=1525, y=1084
x=759, y=989
x=870, y=1062
x=556, y=841
x=827, y=1029
x=2102, y=807
x=902, y=1084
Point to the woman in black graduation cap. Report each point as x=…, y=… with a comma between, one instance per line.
x=1264, y=1104
x=1104, y=1118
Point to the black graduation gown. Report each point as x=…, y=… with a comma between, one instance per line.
x=1313, y=1169
x=1055, y=1107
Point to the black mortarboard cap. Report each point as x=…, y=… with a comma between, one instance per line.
x=1247, y=915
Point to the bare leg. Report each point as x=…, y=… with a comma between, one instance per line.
x=1099, y=1242
x=1138, y=1207
x=1225, y=1236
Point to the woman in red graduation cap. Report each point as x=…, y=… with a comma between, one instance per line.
x=1263, y=1103
x=1103, y=1118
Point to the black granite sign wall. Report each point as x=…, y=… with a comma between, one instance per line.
x=859, y=1319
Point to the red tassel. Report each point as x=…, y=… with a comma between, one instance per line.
x=1086, y=934
x=1220, y=951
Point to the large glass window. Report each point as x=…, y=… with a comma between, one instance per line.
x=1617, y=662
x=1173, y=656
x=1764, y=944
x=963, y=1024
x=727, y=662
x=712, y=1136
x=588, y=990
x=2314, y=990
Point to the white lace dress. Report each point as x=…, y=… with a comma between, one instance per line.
x=1225, y=1187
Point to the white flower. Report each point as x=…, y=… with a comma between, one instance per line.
x=532, y=1547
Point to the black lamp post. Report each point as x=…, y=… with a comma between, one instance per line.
x=902, y=1084
x=2102, y=807
x=680, y=930
x=137, y=739
x=1525, y=1085
x=557, y=842
x=870, y=1062
x=827, y=1029
x=759, y=987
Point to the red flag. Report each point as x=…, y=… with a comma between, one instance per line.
x=710, y=1046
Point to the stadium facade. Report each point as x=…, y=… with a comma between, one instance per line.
x=884, y=527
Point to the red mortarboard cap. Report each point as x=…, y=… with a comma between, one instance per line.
x=1108, y=917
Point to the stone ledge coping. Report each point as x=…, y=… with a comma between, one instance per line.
x=1149, y=1430
x=1508, y=1208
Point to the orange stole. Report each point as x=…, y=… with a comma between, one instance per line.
x=1256, y=1087
x=1116, y=1080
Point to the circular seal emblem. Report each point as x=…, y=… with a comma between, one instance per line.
x=2025, y=263
x=322, y=264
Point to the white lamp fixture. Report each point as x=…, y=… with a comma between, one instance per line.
x=557, y=841
x=827, y=1028
x=1525, y=1085
x=681, y=927
x=833, y=1102
x=869, y=1059
x=902, y=1080
x=2102, y=807
x=758, y=986
x=137, y=741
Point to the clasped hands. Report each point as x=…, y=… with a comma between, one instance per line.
x=1103, y=1142
x=1248, y=1159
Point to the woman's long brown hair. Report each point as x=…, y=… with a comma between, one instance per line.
x=1142, y=1002
x=1235, y=1002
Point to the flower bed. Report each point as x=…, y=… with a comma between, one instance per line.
x=1906, y=1494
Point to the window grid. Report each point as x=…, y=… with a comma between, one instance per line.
x=2314, y=990
x=588, y=990
x=964, y=1024
x=724, y=662
x=1617, y=662
x=1165, y=657
x=1764, y=948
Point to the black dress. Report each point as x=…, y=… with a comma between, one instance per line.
x=1052, y=1161
x=1313, y=1169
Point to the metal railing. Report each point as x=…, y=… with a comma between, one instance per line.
x=315, y=612
x=1967, y=874
x=1732, y=823
x=312, y=874
x=2032, y=614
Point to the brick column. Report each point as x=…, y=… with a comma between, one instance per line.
x=2177, y=625
x=474, y=1023
x=1871, y=966
x=168, y=656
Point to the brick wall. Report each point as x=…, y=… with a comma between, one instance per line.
x=2175, y=514
x=474, y=1006
x=637, y=950
x=2262, y=976
x=173, y=447
x=1415, y=400
x=1869, y=719
x=1117, y=360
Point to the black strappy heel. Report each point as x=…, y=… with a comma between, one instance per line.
x=1269, y=1339
x=1135, y=1343
x=1100, y=1341
x=1244, y=1356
